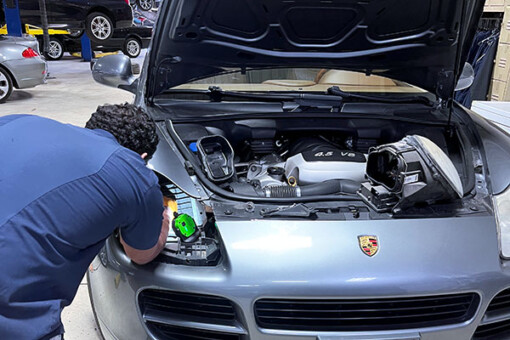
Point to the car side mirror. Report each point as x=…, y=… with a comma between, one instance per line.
x=466, y=78
x=115, y=71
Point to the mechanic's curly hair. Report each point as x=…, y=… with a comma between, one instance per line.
x=131, y=126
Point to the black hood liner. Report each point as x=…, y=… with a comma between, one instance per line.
x=422, y=42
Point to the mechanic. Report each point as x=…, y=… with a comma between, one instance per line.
x=63, y=191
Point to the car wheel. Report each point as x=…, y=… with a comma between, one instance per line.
x=146, y=5
x=55, y=50
x=75, y=34
x=93, y=307
x=132, y=47
x=99, y=27
x=6, y=85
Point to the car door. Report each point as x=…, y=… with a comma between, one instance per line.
x=67, y=13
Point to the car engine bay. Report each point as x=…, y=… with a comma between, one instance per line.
x=386, y=167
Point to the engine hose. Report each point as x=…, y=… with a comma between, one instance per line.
x=333, y=186
x=282, y=191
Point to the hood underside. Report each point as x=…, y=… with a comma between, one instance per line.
x=421, y=42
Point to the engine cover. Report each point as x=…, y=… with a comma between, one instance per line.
x=315, y=166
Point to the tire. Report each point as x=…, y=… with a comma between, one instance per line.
x=132, y=47
x=55, y=50
x=6, y=85
x=145, y=5
x=99, y=27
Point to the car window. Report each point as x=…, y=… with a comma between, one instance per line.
x=299, y=79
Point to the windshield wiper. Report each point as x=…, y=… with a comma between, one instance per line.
x=347, y=96
x=290, y=101
x=216, y=94
x=333, y=98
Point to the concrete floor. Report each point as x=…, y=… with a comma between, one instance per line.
x=70, y=96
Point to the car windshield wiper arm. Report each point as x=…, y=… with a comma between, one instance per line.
x=290, y=101
x=333, y=98
x=346, y=96
x=216, y=94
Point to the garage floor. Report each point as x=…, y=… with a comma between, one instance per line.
x=70, y=96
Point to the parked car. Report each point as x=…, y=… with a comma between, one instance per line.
x=144, y=18
x=21, y=65
x=318, y=202
x=129, y=40
x=98, y=18
x=146, y=5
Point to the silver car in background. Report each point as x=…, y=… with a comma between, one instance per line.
x=21, y=65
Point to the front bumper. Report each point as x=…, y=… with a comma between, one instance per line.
x=28, y=72
x=316, y=260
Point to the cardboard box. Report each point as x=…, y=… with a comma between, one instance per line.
x=505, y=27
x=498, y=4
x=502, y=62
x=500, y=91
x=494, y=6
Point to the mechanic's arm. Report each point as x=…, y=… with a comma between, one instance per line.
x=145, y=256
x=144, y=237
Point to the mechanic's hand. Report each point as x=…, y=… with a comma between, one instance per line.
x=167, y=217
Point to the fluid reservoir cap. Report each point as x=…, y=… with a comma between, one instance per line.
x=193, y=147
x=276, y=171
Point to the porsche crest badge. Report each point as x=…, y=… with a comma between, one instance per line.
x=369, y=245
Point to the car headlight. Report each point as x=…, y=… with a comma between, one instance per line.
x=200, y=249
x=502, y=208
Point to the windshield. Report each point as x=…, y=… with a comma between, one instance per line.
x=300, y=79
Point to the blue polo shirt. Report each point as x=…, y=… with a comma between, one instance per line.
x=63, y=191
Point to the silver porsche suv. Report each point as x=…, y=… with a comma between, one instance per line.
x=324, y=184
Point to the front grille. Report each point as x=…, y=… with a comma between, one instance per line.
x=362, y=315
x=168, y=332
x=203, y=308
x=500, y=302
x=499, y=306
x=495, y=330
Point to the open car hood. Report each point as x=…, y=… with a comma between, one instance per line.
x=421, y=42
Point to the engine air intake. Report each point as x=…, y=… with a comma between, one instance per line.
x=492, y=330
x=498, y=311
x=185, y=316
x=500, y=302
x=168, y=332
x=363, y=315
x=188, y=306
